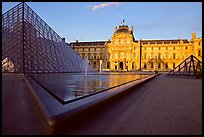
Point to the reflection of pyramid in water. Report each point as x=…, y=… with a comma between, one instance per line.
x=189, y=67
x=29, y=45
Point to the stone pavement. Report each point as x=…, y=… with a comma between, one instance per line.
x=161, y=106
x=168, y=106
x=19, y=113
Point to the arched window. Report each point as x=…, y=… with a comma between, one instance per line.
x=133, y=65
x=108, y=65
x=152, y=65
x=94, y=64
x=145, y=66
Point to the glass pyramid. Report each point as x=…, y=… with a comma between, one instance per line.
x=191, y=66
x=29, y=45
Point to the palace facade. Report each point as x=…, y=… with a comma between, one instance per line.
x=124, y=53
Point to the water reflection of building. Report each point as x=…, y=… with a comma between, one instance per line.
x=7, y=65
x=124, y=52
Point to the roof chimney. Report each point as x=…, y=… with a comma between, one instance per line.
x=193, y=35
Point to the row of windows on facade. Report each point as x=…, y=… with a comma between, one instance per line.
x=159, y=56
x=88, y=49
x=145, y=43
x=145, y=65
x=164, y=48
x=143, y=57
x=148, y=48
x=145, y=48
x=159, y=65
x=90, y=44
x=91, y=57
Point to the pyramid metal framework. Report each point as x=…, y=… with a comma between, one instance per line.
x=29, y=45
x=191, y=66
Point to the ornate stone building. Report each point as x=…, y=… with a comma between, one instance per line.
x=124, y=53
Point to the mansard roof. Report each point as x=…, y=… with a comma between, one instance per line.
x=77, y=43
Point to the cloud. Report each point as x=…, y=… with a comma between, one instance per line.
x=95, y=7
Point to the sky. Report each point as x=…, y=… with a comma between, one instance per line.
x=96, y=21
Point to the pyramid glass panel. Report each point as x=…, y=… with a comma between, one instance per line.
x=191, y=66
x=29, y=45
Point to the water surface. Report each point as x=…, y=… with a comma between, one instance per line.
x=71, y=86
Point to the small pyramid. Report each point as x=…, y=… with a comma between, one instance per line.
x=191, y=66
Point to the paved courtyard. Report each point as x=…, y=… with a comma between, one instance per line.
x=161, y=106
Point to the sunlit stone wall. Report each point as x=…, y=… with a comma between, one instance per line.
x=124, y=52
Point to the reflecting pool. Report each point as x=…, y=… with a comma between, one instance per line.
x=67, y=87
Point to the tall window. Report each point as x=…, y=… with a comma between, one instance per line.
x=166, y=65
x=174, y=56
x=159, y=65
x=159, y=56
x=145, y=66
x=152, y=65
x=133, y=65
x=174, y=65
x=108, y=65
x=199, y=52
